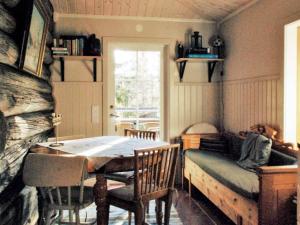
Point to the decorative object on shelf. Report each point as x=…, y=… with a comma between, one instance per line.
x=79, y=45
x=196, y=44
x=56, y=120
x=196, y=53
x=34, y=38
x=94, y=46
x=218, y=46
x=180, y=50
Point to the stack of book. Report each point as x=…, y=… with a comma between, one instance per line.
x=69, y=45
x=203, y=56
x=60, y=51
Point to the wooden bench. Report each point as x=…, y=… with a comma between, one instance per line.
x=277, y=185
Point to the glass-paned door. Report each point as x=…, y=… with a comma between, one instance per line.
x=136, y=73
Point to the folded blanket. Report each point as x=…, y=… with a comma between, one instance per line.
x=255, y=152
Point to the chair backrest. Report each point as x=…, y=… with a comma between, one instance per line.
x=55, y=175
x=143, y=134
x=155, y=170
x=151, y=126
x=48, y=170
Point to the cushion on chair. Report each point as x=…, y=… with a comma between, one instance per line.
x=124, y=177
x=124, y=193
x=226, y=171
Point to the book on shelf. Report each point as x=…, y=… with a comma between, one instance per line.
x=203, y=56
x=59, y=49
x=74, y=45
x=60, y=53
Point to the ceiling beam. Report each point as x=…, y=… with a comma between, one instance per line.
x=237, y=12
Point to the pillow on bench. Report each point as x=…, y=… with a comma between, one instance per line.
x=255, y=152
x=215, y=144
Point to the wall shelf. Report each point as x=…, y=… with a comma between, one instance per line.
x=62, y=59
x=210, y=62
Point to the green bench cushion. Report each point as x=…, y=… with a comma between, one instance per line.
x=227, y=172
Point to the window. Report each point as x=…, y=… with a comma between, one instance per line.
x=137, y=86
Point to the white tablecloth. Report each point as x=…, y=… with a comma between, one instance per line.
x=100, y=150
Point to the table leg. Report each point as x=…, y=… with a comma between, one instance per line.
x=100, y=193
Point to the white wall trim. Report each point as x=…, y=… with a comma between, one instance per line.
x=135, y=18
x=236, y=12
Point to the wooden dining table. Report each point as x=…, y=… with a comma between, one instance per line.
x=105, y=154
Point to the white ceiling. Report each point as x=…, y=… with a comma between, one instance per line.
x=213, y=10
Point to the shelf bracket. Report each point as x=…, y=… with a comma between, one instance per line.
x=181, y=69
x=95, y=69
x=62, y=69
x=211, y=68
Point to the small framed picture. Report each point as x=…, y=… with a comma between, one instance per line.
x=34, y=38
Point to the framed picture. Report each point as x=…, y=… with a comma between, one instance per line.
x=34, y=38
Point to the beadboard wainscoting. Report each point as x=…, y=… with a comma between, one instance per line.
x=252, y=101
x=80, y=103
x=192, y=103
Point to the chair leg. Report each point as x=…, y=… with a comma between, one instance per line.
x=107, y=212
x=129, y=218
x=48, y=216
x=158, y=211
x=148, y=207
x=60, y=216
x=168, y=205
x=139, y=215
x=190, y=185
x=77, y=216
x=70, y=216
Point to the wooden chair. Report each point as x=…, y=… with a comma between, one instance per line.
x=154, y=176
x=143, y=134
x=60, y=179
x=127, y=177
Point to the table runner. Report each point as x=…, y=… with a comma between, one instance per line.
x=100, y=150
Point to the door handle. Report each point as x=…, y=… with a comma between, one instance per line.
x=114, y=115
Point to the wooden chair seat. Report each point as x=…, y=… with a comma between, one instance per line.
x=125, y=193
x=124, y=177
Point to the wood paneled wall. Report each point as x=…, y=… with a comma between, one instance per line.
x=192, y=103
x=251, y=101
x=75, y=100
x=188, y=102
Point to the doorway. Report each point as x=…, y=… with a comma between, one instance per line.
x=135, y=87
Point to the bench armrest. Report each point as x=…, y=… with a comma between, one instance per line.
x=277, y=169
x=277, y=186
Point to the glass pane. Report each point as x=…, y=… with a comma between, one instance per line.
x=137, y=87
